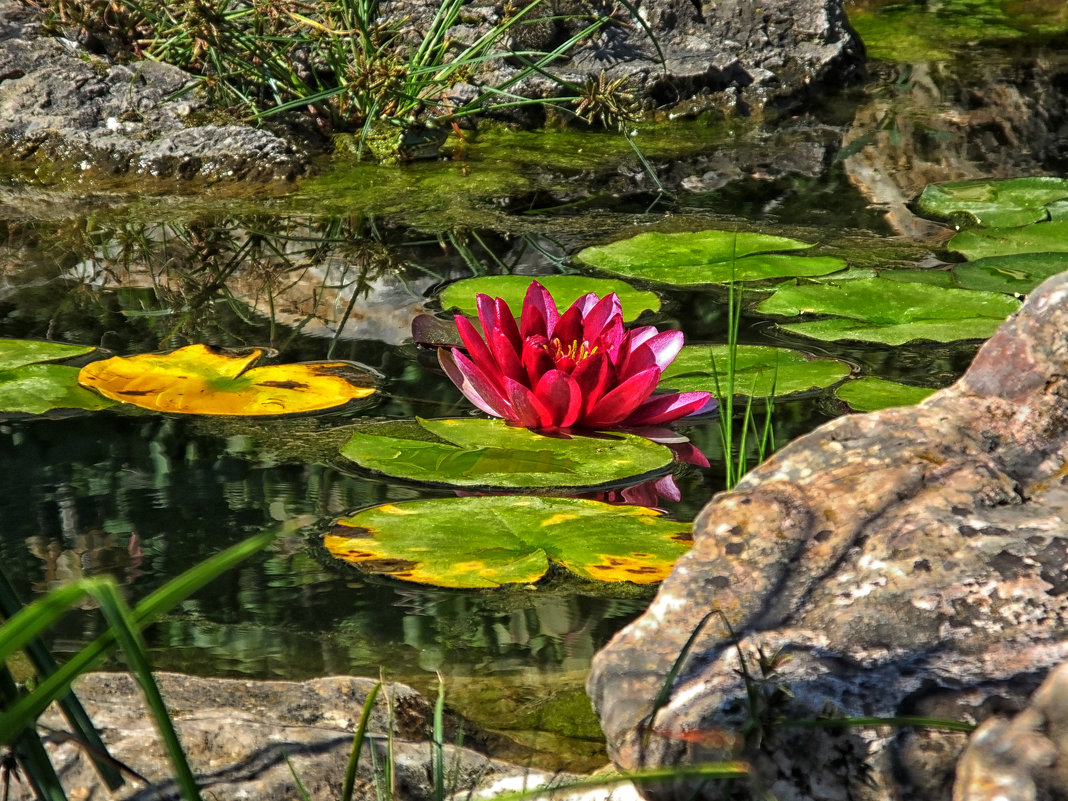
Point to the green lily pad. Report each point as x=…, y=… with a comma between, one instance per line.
x=565, y=289
x=471, y=452
x=707, y=257
x=41, y=388
x=1012, y=202
x=28, y=386
x=978, y=243
x=19, y=352
x=490, y=541
x=758, y=369
x=869, y=394
x=1017, y=273
x=890, y=312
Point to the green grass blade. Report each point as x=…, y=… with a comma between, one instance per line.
x=357, y=743
x=29, y=750
x=437, y=744
x=81, y=726
x=29, y=707
x=32, y=620
x=664, y=695
x=122, y=623
x=296, y=779
x=707, y=770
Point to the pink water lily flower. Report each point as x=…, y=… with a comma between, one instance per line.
x=579, y=369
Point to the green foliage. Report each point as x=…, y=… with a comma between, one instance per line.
x=470, y=452
x=1046, y=237
x=871, y=393
x=30, y=385
x=706, y=257
x=565, y=289
x=1012, y=202
x=889, y=312
x=477, y=542
x=342, y=60
x=1014, y=273
x=753, y=370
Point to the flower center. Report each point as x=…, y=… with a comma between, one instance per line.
x=574, y=353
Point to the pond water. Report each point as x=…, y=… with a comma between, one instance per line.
x=337, y=268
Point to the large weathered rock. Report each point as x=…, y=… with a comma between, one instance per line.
x=63, y=112
x=735, y=56
x=909, y=562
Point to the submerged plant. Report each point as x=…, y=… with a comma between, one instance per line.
x=580, y=369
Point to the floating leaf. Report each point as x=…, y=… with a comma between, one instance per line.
x=565, y=289
x=472, y=452
x=869, y=394
x=489, y=541
x=1012, y=202
x=1047, y=237
x=707, y=257
x=29, y=387
x=40, y=388
x=203, y=380
x=890, y=312
x=1018, y=273
x=19, y=352
x=757, y=369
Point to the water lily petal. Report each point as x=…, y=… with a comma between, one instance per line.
x=620, y=402
x=487, y=311
x=561, y=395
x=672, y=406
x=666, y=346
x=477, y=350
x=506, y=355
x=537, y=360
x=527, y=410
x=507, y=325
x=539, y=313
x=569, y=327
x=473, y=383
x=601, y=315
x=593, y=376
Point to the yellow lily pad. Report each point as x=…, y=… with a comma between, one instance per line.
x=477, y=542
x=199, y=379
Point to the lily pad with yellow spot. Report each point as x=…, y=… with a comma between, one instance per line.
x=471, y=543
x=200, y=379
x=489, y=454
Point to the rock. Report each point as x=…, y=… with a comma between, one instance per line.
x=1022, y=759
x=733, y=56
x=906, y=562
x=66, y=113
x=238, y=734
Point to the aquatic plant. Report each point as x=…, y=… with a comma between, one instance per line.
x=580, y=369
